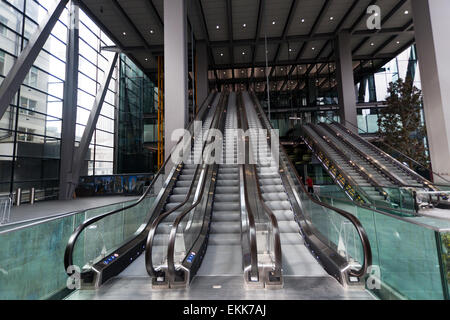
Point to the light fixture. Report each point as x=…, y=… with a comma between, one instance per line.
x=303, y=20
x=290, y=49
x=217, y=27
x=371, y=43
x=243, y=52
x=221, y=54
x=124, y=33
x=331, y=18
x=224, y=72
x=244, y=25
x=398, y=42
x=273, y=22
x=313, y=48
x=281, y=69
x=152, y=31
x=406, y=12
x=146, y=59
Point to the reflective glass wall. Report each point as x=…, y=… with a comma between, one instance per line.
x=137, y=120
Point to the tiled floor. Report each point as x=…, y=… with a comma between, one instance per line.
x=222, y=288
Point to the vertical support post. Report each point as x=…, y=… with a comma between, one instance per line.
x=345, y=79
x=69, y=113
x=20, y=69
x=175, y=70
x=431, y=25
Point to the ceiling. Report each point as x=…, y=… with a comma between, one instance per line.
x=299, y=32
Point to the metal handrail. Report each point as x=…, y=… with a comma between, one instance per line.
x=152, y=272
x=355, y=221
x=392, y=159
x=199, y=192
x=68, y=253
x=272, y=218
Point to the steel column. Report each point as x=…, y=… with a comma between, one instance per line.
x=69, y=114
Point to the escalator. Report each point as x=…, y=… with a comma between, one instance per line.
x=367, y=174
x=252, y=219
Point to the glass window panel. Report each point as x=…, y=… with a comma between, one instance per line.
x=9, y=119
x=10, y=17
x=85, y=100
x=79, y=129
x=36, y=123
x=87, y=84
x=105, y=124
x=103, y=168
x=82, y=116
x=104, y=154
x=108, y=110
x=38, y=147
x=87, y=67
x=16, y=3
x=104, y=138
x=35, y=169
x=40, y=100
x=6, y=143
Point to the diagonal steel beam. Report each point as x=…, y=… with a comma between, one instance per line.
x=21, y=67
x=80, y=153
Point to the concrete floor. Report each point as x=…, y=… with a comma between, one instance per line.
x=134, y=284
x=222, y=288
x=52, y=208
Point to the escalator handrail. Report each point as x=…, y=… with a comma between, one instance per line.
x=68, y=253
x=355, y=221
x=152, y=232
x=173, y=231
x=269, y=213
x=417, y=176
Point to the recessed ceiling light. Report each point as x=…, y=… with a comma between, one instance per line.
x=217, y=27
x=313, y=48
x=376, y=14
x=224, y=72
x=244, y=25
x=331, y=18
x=303, y=20
x=273, y=22
x=406, y=11
x=146, y=59
x=371, y=43
x=398, y=42
x=124, y=33
x=290, y=49
x=152, y=31
x=221, y=54
x=281, y=69
x=243, y=52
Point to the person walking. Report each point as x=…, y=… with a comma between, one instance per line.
x=310, y=184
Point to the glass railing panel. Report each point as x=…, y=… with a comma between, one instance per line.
x=31, y=256
x=106, y=235
x=406, y=253
x=445, y=260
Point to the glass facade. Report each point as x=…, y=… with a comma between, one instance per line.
x=30, y=130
